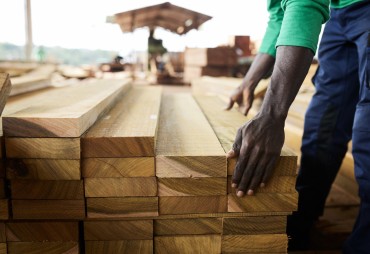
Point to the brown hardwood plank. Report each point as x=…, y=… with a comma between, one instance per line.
x=5, y=88
x=196, y=226
x=2, y=232
x=43, y=169
x=3, y=248
x=277, y=184
x=43, y=247
x=129, y=129
x=204, y=186
x=47, y=189
x=121, y=187
x=210, y=244
x=196, y=204
x=118, y=230
x=119, y=247
x=4, y=209
x=48, y=209
x=186, y=144
x=118, y=167
x=274, y=243
x=254, y=225
x=43, y=148
x=51, y=116
x=2, y=188
x=42, y=231
x=263, y=202
x=128, y=207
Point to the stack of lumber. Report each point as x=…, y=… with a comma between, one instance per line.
x=36, y=79
x=214, y=62
x=16, y=68
x=119, y=173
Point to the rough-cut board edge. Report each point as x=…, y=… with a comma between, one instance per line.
x=2, y=232
x=142, y=207
x=118, y=167
x=40, y=148
x=120, y=246
x=43, y=247
x=254, y=225
x=3, y=248
x=195, y=226
x=190, y=166
x=40, y=231
x=53, y=127
x=277, y=184
x=5, y=88
x=4, y=209
x=263, y=202
x=43, y=169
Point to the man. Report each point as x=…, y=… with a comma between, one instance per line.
x=339, y=110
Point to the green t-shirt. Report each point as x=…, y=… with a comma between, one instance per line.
x=297, y=22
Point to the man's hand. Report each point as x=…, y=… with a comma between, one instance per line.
x=244, y=94
x=258, y=144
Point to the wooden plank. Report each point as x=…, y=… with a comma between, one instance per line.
x=118, y=230
x=196, y=226
x=3, y=248
x=43, y=148
x=2, y=188
x=263, y=202
x=119, y=247
x=210, y=244
x=220, y=56
x=43, y=247
x=186, y=144
x=46, y=189
x=42, y=231
x=48, y=209
x=280, y=184
x=2, y=233
x=197, y=204
x=43, y=169
x=204, y=186
x=64, y=112
x=118, y=167
x=121, y=187
x=4, y=209
x=129, y=129
x=122, y=207
x=274, y=243
x=254, y=225
x=5, y=88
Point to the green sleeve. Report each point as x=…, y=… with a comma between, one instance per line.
x=273, y=27
x=302, y=22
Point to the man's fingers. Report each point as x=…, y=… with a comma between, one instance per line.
x=240, y=167
x=269, y=170
x=247, y=174
x=230, y=105
x=257, y=177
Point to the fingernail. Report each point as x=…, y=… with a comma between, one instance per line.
x=240, y=194
x=250, y=192
x=230, y=153
x=262, y=185
x=234, y=185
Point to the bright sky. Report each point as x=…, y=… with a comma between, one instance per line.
x=82, y=23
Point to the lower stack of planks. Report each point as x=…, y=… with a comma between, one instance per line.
x=121, y=169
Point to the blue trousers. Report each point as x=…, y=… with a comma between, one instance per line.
x=339, y=111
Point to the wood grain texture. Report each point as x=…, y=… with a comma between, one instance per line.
x=5, y=88
x=254, y=225
x=118, y=167
x=119, y=247
x=210, y=244
x=2, y=188
x=43, y=169
x=118, y=230
x=190, y=166
x=64, y=112
x=121, y=187
x=43, y=148
x=198, y=204
x=42, y=231
x=204, y=186
x=129, y=129
x=274, y=243
x=46, y=189
x=263, y=202
x=4, y=209
x=2, y=232
x=3, y=248
x=186, y=142
x=196, y=226
x=122, y=207
x=277, y=184
x=48, y=209
x=43, y=247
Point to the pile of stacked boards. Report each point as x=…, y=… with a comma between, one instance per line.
x=108, y=167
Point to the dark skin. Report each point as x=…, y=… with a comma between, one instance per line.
x=244, y=94
x=258, y=142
